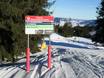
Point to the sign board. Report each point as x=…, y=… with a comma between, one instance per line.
x=39, y=24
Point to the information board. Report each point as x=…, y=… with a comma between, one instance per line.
x=39, y=24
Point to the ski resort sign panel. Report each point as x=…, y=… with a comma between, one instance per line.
x=39, y=24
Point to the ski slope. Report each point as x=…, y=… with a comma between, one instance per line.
x=71, y=58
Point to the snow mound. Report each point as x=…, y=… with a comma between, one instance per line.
x=80, y=39
x=57, y=38
x=72, y=42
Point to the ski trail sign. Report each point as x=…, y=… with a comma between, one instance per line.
x=39, y=24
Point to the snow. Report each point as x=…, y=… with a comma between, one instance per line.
x=57, y=38
x=73, y=57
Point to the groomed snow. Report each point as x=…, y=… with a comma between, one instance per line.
x=72, y=58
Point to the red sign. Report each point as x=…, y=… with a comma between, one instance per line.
x=39, y=18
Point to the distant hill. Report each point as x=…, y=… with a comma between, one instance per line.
x=75, y=22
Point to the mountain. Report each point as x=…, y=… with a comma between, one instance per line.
x=75, y=22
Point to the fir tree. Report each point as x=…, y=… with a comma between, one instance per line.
x=99, y=36
x=12, y=26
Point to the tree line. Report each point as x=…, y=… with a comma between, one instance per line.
x=13, y=40
x=99, y=36
x=67, y=30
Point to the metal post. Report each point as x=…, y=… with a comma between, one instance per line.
x=28, y=56
x=28, y=41
x=49, y=54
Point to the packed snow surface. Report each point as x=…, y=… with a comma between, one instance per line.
x=73, y=58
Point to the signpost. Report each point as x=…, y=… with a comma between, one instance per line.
x=38, y=25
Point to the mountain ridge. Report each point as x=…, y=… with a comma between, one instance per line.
x=75, y=22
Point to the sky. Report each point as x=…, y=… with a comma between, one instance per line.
x=77, y=9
